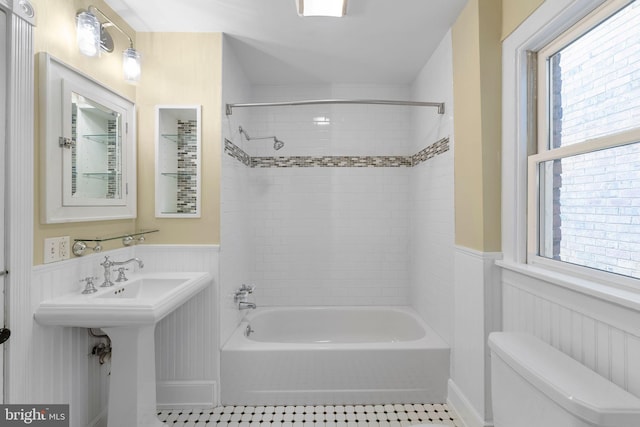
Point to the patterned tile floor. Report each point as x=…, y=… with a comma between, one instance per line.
x=397, y=415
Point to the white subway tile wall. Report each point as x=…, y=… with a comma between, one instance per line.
x=236, y=253
x=431, y=210
x=329, y=235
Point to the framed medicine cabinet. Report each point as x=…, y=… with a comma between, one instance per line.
x=88, y=147
x=178, y=158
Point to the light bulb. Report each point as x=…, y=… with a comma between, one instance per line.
x=131, y=65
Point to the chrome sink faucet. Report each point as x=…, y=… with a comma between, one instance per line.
x=107, y=264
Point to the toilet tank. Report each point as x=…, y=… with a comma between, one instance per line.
x=534, y=384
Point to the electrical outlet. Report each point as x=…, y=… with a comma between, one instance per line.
x=56, y=249
x=63, y=249
x=51, y=250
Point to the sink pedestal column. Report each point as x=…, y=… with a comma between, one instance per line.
x=132, y=387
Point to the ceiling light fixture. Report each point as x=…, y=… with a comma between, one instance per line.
x=92, y=37
x=335, y=8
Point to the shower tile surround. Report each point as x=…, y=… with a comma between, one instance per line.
x=398, y=415
x=345, y=213
x=329, y=230
x=327, y=220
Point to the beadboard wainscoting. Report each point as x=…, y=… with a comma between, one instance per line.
x=64, y=371
x=187, y=356
x=601, y=335
x=19, y=202
x=477, y=313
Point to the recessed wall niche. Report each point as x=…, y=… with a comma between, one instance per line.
x=178, y=145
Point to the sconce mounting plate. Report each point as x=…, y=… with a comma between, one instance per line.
x=106, y=41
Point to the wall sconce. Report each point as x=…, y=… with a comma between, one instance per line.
x=92, y=37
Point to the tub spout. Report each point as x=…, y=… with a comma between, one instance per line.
x=243, y=305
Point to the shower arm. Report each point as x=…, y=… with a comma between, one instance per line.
x=250, y=138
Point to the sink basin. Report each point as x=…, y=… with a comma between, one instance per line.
x=143, y=288
x=128, y=313
x=144, y=299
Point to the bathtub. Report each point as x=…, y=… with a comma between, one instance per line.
x=333, y=355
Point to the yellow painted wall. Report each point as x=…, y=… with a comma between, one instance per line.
x=477, y=85
x=181, y=68
x=176, y=69
x=477, y=109
x=468, y=128
x=514, y=12
x=55, y=33
x=491, y=101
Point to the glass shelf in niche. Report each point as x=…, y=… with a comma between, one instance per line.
x=189, y=138
x=176, y=213
x=177, y=174
x=101, y=175
x=106, y=138
x=178, y=158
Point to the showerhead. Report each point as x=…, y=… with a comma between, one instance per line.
x=277, y=144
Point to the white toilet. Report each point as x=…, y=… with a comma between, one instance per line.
x=536, y=385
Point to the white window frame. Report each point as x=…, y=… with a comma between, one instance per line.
x=546, y=153
x=544, y=25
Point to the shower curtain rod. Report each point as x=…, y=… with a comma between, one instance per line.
x=439, y=105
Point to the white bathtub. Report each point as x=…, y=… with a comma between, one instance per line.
x=334, y=355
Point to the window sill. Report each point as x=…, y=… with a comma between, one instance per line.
x=623, y=297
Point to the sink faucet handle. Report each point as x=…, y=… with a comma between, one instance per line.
x=89, y=288
x=121, y=275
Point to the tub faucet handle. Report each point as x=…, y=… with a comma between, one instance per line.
x=247, y=288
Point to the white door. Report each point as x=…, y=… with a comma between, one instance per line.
x=3, y=180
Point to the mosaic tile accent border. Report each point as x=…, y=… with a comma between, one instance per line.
x=331, y=162
x=114, y=178
x=187, y=153
x=237, y=153
x=439, y=147
x=398, y=415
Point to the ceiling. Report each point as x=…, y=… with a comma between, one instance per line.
x=378, y=41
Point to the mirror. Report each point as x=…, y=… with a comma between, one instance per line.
x=178, y=161
x=88, y=147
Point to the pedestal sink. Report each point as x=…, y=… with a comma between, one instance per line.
x=128, y=313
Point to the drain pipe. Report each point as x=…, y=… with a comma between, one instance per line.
x=101, y=349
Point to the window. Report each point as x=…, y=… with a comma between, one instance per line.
x=584, y=179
